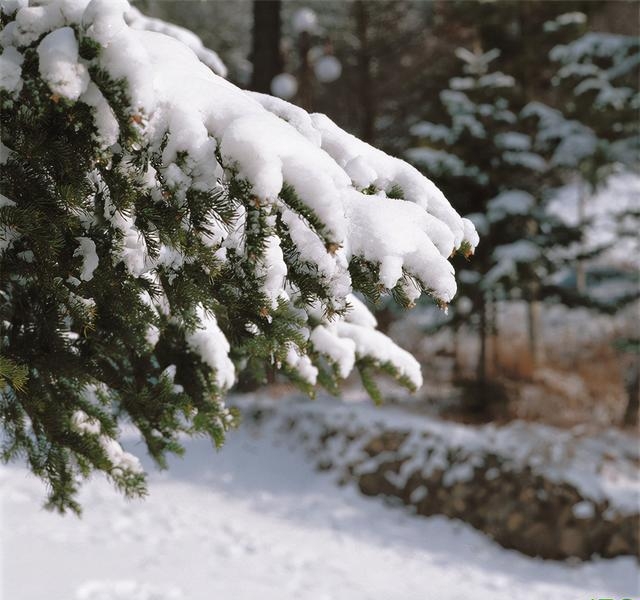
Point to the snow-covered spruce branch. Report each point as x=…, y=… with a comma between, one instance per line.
x=164, y=232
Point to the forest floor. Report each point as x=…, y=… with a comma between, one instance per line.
x=578, y=381
x=255, y=521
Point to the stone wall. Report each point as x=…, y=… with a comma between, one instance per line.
x=518, y=509
x=512, y=501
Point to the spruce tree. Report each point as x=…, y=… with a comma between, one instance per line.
x=595, y=132
x=480, y=151
x=596, y=137
x=164, y=232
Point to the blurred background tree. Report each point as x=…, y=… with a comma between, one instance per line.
x=525, y=112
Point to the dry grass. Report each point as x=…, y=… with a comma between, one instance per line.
x=570, y=387
x=579, y=381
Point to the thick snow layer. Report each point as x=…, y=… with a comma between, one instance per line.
x=205, y=131
x=297, y=117
x=407, y=237
x=594, y=44
x=564, y=20
x=256, y=521
x=608, y=213
x=359, y=314
x=210, y=58
x=596, y=62
x=105, y=121
x=274, y=271
x=522, y=251
x=341, y=351
x=513, y=140
x=432, y=131
x=59, y=66
x=440, y=162
x=477, y=62
x=510, y=202
x=4, y=201
x=302, y=365
x=529, y=160
x=11, y=69
x=133, y=252
x=119, y=459
x=375, y=168
x=372, y=343
x=211, y=344
x=575, y=141
x=87, y=250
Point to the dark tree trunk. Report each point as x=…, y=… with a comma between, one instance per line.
x=456, y=352
x=305, y=75
x=534, y=333
x=265, y=51
x=481, y=373
x=366, y=85
x=581, y=272
x=495, y=337
x=631, y=414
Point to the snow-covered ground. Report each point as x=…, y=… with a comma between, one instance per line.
x=256, y=522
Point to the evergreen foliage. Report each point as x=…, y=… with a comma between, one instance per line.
x=504, y=154
x=482, y=150
x=595, y=133
x=143, y=271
